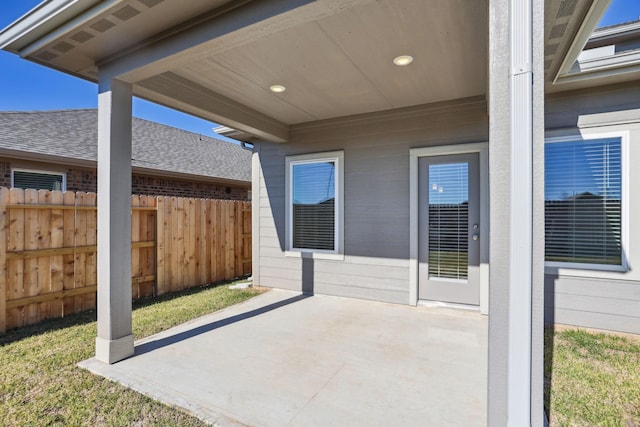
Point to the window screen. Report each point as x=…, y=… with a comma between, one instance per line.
x=583, y=212
x=38, y=180
x=313, y=205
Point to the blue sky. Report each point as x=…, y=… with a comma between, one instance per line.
x=28, y=86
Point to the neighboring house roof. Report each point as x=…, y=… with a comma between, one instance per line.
x=73, y=134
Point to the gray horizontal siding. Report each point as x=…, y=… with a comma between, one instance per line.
x=376, y=187
x=593, y=303
x=611, y=301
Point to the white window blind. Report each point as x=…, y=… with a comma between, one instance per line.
x=449, y=220
x=38, y=180
x=314, y=205
x=583, y=201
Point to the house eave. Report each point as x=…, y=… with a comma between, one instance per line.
x=88, y=163
x=614, y=34
x=595, y=13
x=46, y=18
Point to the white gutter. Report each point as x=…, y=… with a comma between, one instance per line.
x=40, y=21
x=614, y=31
x=53, y=24
x=595, y=13
x=519, y=356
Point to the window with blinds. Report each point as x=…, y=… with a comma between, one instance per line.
x=583, y=201
x=448, y=221
x=38, y=180
x=313, y=201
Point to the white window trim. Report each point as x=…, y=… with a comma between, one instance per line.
x=332, y=156
x=574, y=267
x=42, y=172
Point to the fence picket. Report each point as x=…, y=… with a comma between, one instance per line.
x=44, y=263
x=135, y=252
x=57, y=241
x=15, y=268
x=31, y=266
x=68, y=261
x=4, y=227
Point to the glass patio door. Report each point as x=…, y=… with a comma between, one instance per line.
x=449, y=227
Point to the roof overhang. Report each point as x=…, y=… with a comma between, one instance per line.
x=92, y=164
x=611, y=55
x=216, y=59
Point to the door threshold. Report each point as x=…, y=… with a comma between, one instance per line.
x=441, y=304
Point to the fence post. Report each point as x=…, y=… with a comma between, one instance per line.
x=4, y=199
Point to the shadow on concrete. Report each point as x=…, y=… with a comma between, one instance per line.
x=173, y=339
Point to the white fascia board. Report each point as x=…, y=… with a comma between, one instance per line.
x=621, y=63
x=612, y=61
x=40, y=21
x=613, y=32
x=55, y=27
x=596, y=12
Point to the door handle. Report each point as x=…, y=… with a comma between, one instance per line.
x=476, y=234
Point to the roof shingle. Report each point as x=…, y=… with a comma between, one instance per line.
x=74, y=134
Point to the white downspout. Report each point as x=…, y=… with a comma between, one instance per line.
x=521, y=221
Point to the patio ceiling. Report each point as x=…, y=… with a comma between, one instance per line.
x=342, y=64
x=217, y=59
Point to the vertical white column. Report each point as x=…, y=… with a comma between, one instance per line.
x=115, y=339
x=516, y=175
x=521, y=218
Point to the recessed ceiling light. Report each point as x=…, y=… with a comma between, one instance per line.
x=277, y=88
x=403, y=60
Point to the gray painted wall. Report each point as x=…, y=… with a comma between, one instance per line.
x=376, y=187
x=592, y=298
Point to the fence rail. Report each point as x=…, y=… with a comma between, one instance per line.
x=48, y=249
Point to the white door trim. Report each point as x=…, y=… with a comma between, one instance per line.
x=482, y=148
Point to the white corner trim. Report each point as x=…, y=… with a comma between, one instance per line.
x=443, y=150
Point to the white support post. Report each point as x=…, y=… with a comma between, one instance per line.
x=115, y=339
x=516, y=180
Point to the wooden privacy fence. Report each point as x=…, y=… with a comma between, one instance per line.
x=48, y=249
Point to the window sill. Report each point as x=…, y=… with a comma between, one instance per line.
x=314, y=255
x=555, y=267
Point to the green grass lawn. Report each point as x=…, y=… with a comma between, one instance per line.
x=592, y=379
x=41, y=385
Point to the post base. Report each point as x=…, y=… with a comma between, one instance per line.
x=112, y=351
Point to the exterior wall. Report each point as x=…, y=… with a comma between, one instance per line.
x=86, y=179
x=593, y=298
x=376, y=203
x=150, y=185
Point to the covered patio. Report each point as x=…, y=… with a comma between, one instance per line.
x=332, y=83
x=284, y=358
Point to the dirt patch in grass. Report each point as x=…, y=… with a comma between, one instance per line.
x=41, y=385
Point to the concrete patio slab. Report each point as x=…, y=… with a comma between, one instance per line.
x=285, y=359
